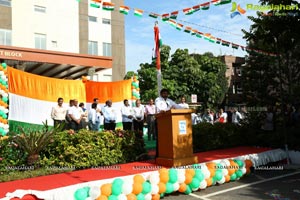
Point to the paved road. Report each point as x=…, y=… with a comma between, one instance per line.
x=261, y=185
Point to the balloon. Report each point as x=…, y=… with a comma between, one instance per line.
x=94, y=192
x=173, y=176
x=188, y=190
x=242, y=169
x=219, y=175
x=162, y=187
x=154, y=189
x=209, y=181
x=181, y=178
x=164, y=177
x=146, y=187
x=222, y=180
x=224, y=172
x=106, y=189
x=131, y=196
x=175, y=186
x=182, y=187
x=239, y=173
x=4, y=65
x=203, y=185
x=240, y=163
x=188, y=178
x=248, y=163
x=138, y=179
x=81, y=194
x=137, y=188
x=5, y=99
x=169, y=188
x=154, y=178
x=118, y=181
x=148, y=197
x=155, y=197
x=227, y=178
x=140, y=197
x=122, y=197
x=113, y=197
x=195, y=183
x=199, y=175
x=190, y=171
x=206, y=173
x=233, y=177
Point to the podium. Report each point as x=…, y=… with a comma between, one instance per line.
x=175, y=141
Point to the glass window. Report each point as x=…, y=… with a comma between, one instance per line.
x=40, y=9
x=93, y=48
x=105, y=21
x=92, y=19
x=5, y=2
x=5, y=37
x=106, y=49
x=40, y=41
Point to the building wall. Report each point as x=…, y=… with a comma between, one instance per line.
x=5, y=17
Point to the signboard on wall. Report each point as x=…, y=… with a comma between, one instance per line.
x=194, y=98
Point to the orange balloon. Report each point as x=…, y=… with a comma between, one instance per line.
x=164, y=177
x=209, y=181
x=211, y=165
x=155, y=196
x=163, y=170
x=138, y=179
x=212, y=172
x=248, y=171
x=190, y=171
x=137, y=188
x=102, y=197
x=231, y=170
x=131, y=196
x=188, y=178
x=248, y=163
x=106, y=189
x=162, y=187
x=227, y=178
x=182, y=187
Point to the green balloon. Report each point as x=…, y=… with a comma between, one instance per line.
x=240, y=163
x=188, y=190
x=4, y=116
x=162, y=195
x=146, y=187
x=173, y=177
x=140, y=197
x=199, y=175
x=4, y=65
x=239, y=173
x=81, y=194
x=117, y=181
x=116, y=189
x=169, y=188
x=218, y=175
x=113, y=197
x=233, y=177
x=5, y=99
x=195, y=183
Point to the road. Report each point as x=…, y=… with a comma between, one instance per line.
x=264, y=184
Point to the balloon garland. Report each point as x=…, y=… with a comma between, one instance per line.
x=156, y=185
x=135, y=88
x=4, y=127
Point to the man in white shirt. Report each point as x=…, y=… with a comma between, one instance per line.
x=150, y=111
x=236, y=117
x=110, y=116
x=127, y=115
x=58, y=113
x=163, y=103
x=75, y=113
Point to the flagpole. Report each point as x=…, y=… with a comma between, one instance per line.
x=157, y=52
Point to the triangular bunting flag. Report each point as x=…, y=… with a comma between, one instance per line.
x=165, y=17
x=153, y=15
x=179, y=26
x=205, y=6
x=108, y=6
x=225, y=43
x=199, y=34
x=194, y=31
x=218, y=40
x=124, y=10
x=188, y=29
x=196, y=8
x=138, y=12
x=174, y=15
x=188, y=11
x=173, y=23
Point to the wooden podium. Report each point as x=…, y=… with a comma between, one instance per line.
x=175, y=141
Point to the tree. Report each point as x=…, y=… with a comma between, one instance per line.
x=270, y=79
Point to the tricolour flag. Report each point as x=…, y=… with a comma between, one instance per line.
x=234, y=46
x=207, y=36
x=153, y=15
x=165, y=17
x=205, y=6
x=108, y=6
x=194, y=31
x=199, y=34
x=138, y=12
x=94, y=5
x=188, y=29
x=225, y=43
x=188, y=11
x=172, y=23
x=97, y=1
x=124, y=10
x=158, y=44
x=219, y=40
x=243, y=48
x=196, y=8
x=174, y=15
x=179, y=26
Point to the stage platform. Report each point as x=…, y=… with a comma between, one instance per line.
x=63, y=186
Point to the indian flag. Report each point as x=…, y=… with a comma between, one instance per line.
x=194, y=31
x=188, y=29
x=207, y=36
x=138, y=12
x=174, y=15
x=234, y=46
x=225, y=43
x=216, y=2
x=124, y=10
x=94, y=5
x=196, y=8
x=188, y=11
x=199, y=34
x=172, y=23
x=165, y=17
x=31, y=97
x=243, y=48
x=153, y=15
x=219, y=40
x=205, y=6
x=97, y=1
x=179, y=26
x=108, y=6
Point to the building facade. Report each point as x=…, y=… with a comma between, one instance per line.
x=69, y=26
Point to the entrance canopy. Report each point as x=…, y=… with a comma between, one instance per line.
x=53, y=63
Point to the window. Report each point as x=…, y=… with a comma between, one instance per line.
x=40, y=41
x=105, y=21
x=5, y=37
x=5, y=2
x=40, y=9
x=93, y=48
x=92, y=19
x=237, y=88
x=106, y=49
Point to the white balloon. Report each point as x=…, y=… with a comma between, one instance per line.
x=203, y=166
x=5, y=94
x=181, y=178
x=154, y=178
x=89, y=198
x=222, y=180
x=2, y=125
x=203, y=185
x=126, y=188
x=122, y=197
x=206, y=173
x=226, y=161
x=154, y=189
x=5, y=110
x=1, y=73
x=6, y=126
x=94, y=192
x=195, y=189
x=224, y=172
x=176, y=187
x=243, y=169
x=147, y=197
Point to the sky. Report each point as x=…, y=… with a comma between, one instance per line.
x=139, y=35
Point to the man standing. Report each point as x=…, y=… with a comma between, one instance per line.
x=163, y=103
x=58, y=113
x=76, y=116
x=127, y=115
x=150, y=111
x=236, y=117
x=110, y=116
